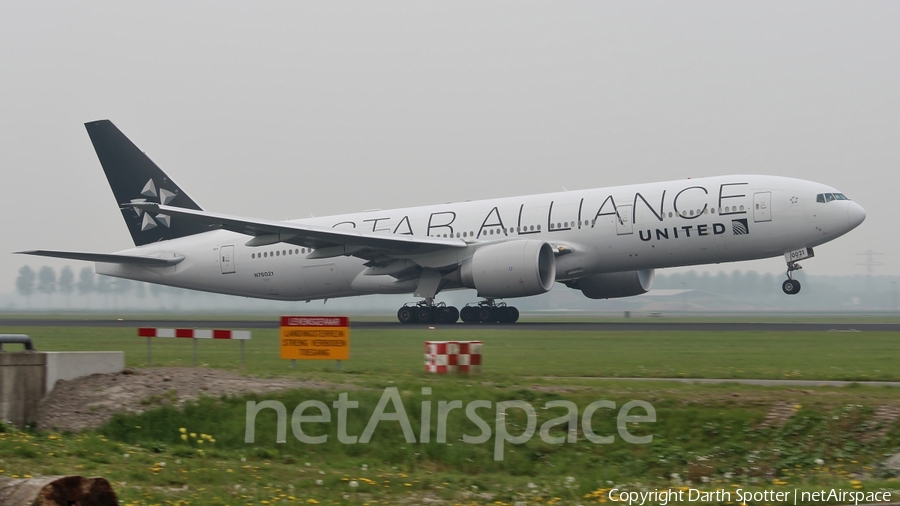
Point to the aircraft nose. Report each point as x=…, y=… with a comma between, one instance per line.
x=855, y=214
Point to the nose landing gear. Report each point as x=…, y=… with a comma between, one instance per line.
x=791, y=286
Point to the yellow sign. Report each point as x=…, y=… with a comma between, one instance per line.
x=315, y=338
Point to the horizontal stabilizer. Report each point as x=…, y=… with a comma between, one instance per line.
x=107, y=258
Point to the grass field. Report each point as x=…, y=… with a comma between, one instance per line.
x=710, y=437
x=854, y=356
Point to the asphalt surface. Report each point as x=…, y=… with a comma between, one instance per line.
x=544, y=326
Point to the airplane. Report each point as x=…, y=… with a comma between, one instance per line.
x=605, y=242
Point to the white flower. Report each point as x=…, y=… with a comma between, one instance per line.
x=531, y=485
x=820, y=462
x=570, y=479
x=354, y=484
x=126, y=455
x=319, y=482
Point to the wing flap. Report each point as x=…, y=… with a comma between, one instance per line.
x=108, y=258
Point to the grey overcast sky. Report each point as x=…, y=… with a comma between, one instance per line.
x=282, y=109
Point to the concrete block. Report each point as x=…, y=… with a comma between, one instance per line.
x=22, y=385
x=69, y=365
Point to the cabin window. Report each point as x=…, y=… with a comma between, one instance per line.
x=742, y=208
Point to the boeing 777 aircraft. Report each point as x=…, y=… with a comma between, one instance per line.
x=605, y=242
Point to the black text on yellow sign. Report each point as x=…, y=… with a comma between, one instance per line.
x=315, y=343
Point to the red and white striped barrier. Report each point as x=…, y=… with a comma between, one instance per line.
x=442, y=357
x=194, y=333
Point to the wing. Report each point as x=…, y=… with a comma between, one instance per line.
x=106, y=257
x=327, y=242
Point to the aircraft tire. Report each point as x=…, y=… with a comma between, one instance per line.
x=514, y=314
x=454, y=315
x=405, y=314
x=424, y=315
x=487, y=314
x=791, y=286
x=504, y=315
x=467, y=314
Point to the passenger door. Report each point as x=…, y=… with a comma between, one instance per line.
x=226, y=259
x=762, y=204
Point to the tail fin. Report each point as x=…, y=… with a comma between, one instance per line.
x=133, y=177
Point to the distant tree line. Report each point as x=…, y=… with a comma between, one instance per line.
x=737, y=290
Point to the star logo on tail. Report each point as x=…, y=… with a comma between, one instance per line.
x=164, y=197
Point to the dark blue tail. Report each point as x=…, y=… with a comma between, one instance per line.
x=134, y=177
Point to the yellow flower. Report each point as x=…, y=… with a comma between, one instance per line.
x=194, y=435
x=182, y=430
x=184, y=437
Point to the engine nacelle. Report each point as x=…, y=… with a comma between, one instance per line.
x=510, y=269
x=613, y=285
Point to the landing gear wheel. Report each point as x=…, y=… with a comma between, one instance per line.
x=791, y=286
x=448, y=314
x=405, y=314
x=514, y=314
x=425, y=315
x=486, y=314
x=467, y=314
x=504, y=315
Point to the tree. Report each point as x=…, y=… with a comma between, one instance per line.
x=25, y=282
x=85, y=283
x=103, y=287
x=67, y=283
x=47, y=281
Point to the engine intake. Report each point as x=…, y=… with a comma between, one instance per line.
x=510, y=269
x=613, y=285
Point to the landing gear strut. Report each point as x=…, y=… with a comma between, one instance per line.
x=427, y=311
x=791, y=286
x=488, y=311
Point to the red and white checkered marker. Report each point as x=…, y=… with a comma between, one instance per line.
x=194, y=333
x=442, y=357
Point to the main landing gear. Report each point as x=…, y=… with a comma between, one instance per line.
x=791, y=286
x=487, y=311
x=426, y=311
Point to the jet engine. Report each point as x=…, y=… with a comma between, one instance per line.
x=613, y=285
x=510, y=269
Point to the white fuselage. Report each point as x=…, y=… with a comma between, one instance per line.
x=624, y=228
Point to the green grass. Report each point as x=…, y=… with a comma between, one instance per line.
x=858, y=356
x=702, y=431
x=704, y=435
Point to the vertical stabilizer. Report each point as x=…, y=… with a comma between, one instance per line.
x=134, y=177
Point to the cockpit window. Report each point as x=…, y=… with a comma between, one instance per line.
x=828, y=197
